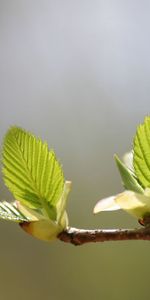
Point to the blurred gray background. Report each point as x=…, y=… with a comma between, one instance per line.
x=76, y=73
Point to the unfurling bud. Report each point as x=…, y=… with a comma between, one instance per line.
x=42, y=227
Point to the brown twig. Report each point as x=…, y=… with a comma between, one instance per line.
x=81, y=236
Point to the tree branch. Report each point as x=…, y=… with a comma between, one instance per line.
x=81, y=236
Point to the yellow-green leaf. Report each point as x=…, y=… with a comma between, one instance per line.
x=32, y=172
x=141, y=157
x=9, y=212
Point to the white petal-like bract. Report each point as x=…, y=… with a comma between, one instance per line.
x=128, y=160
x=107, y=204
x=136, y=204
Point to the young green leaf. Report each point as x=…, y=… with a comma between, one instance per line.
x=141, y=158
x=31, y=171
x=129, y=180
x=9, y=212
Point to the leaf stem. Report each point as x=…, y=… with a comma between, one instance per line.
x=78, y=237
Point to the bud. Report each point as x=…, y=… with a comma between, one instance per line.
x=41, y=226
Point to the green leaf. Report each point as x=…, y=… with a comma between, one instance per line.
x=129, y=180
x=141, y=158
x=31, y=171
x=8, y=211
